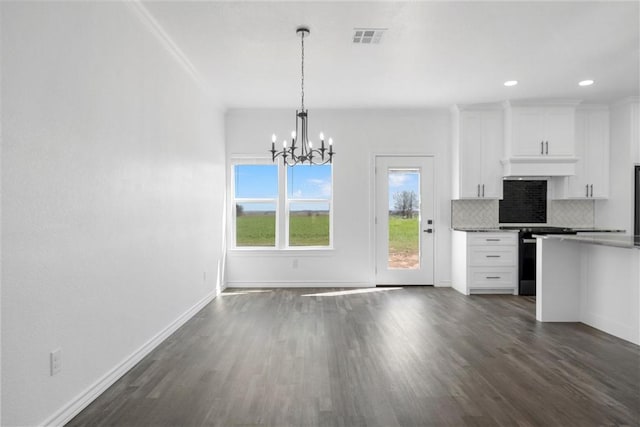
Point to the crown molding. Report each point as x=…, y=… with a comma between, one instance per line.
x=635, y=99
x=154, y=27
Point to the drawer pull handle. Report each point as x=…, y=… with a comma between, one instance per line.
x=493, y=256
x=492, y=240
x=493, y=277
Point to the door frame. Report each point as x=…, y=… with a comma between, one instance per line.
x=374, y=200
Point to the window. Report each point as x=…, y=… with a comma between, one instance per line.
x=309, y=205
x=282, y=207
x=256, y=205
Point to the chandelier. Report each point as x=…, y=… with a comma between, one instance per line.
x=301, y=150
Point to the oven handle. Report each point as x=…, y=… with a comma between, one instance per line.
x=528, y=240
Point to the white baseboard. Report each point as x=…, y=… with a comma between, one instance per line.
x=296, y=284
x=611, y=326
x=443, y=284
x=82, y=400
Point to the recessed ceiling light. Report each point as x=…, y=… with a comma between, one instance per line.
x=511, y=83
x=586, y=83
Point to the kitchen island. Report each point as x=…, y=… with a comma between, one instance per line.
x=590, y=278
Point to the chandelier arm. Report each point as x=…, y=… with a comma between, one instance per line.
x=305, y=132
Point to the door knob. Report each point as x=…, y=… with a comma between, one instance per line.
x=428, y=230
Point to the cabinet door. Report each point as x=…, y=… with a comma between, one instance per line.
x=527, y=131
x=578, y=183
x=492, y=152
x=559, y=125
x=470, y=152
x=493, y=256
x=597, y=153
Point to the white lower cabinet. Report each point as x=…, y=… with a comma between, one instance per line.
x=484, y=262
x=492, y=278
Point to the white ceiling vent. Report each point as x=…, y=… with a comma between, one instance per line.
x=368, y=35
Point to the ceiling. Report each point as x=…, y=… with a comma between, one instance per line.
x=433, y=54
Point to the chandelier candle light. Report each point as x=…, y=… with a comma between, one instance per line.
x=299, y=137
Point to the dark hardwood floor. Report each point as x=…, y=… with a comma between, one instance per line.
x=418, y=356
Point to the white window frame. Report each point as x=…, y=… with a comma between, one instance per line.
x=287, y=214
x=234, y=200
x=283, y=204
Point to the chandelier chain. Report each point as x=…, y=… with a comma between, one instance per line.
x=302, y=67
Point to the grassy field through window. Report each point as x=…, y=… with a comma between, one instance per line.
x=305, y=229
x=256, y=229
x=309, y=229
x=404, y=242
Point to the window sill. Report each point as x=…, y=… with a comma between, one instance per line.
x=275, y=252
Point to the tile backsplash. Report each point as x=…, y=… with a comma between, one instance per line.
x=571, y=213
x=474, y=213
x=484, y=213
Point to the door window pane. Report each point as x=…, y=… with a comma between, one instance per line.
x=255, y=224
x=404, y=218
x=309, y=224
x=256, y=181
x=309, y=182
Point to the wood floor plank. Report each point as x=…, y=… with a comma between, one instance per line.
x=419, y=356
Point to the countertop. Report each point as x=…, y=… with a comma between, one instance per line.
x=605, y=239
x=501, y=230
x=483, y=230
x=597, y=230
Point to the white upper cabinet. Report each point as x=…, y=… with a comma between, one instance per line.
x=477, y=150
x=591, y=180
x=539, y=138
x=542, y=131
x=527, y=133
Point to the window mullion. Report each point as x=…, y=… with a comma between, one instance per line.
x=283, y=208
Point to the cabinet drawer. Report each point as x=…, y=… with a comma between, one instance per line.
x=493, y=256
x=486, y=239
x=492, y=278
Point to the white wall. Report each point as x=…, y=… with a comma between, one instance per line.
x=358, y=135
x=112, y=194
x=617, y=211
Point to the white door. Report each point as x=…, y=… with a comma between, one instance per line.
x=404, y=220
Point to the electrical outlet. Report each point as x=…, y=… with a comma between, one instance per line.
x=295, y=263
x=55, y=361
x=204, y=276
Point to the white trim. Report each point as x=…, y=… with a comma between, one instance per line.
x=477, y=107
x=82, y=400
x=534, y=102
x=592, y=107
x=626, y=101
x=297, y=284
x=149, y=21
x=443, y=284
x=261, y=251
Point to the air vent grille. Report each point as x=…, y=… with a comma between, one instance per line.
x=368, y=35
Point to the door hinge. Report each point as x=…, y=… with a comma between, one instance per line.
x=376, y=220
